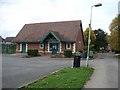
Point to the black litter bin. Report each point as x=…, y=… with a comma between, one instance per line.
x=76, y=62
x=84, y=54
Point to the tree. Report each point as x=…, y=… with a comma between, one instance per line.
x=115, y=34
x=92, y=36
x=101, y=39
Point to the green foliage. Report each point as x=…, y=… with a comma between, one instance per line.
x=8, y=48
x=114, y=38
x=85, y=47
x=68, y=53
x=101, y=39
x=114, y=24
x=65, y=78
x=32, y=52
x=92, y=36
x=117, y=51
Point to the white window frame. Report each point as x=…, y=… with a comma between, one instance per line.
x=49, y=47
x=60, y=47
x=26, y=47
x=20, y=47
x=42, y=45
x=67, y=46
x=74, y=47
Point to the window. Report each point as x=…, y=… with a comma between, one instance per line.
x=41, y=45
x=68, y=45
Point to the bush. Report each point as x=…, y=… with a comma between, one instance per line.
x=68, y=53
x=32, y=52
x=117, y=51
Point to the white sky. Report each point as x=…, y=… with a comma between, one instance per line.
x=14, y=14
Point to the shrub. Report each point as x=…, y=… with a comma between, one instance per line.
x=117, y=51
x=32, y=52
x=68, y=53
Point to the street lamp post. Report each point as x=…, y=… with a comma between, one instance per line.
x=90, y=28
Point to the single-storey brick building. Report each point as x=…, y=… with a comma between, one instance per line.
x=46, y=36
x=8, y=40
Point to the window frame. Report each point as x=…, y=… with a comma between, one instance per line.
x=42, y=44
x=67, y=45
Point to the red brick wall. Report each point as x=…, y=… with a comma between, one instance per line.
x=18, y=48
x=79, y=38
x=46, y=47
x=34, y=46
x=37, y=46
x=72, y=46
x=64, y=45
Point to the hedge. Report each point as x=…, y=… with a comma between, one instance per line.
x=33, y=52
x=68, y=53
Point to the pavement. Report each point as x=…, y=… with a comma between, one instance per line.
x=106, y=72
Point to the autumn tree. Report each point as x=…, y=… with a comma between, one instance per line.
x=115, y=34
x=92, y=37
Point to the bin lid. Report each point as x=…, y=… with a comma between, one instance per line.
x=77, y=54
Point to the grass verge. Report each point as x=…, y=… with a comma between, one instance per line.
x=65, y=78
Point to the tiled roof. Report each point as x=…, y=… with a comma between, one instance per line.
x=9, y=39
x=65, y=30
x=1, y=39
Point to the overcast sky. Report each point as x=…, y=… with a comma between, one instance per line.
x=14, y=14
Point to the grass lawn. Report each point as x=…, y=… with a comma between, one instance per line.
x=65, y=78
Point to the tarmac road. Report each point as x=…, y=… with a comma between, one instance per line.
x=17, y=71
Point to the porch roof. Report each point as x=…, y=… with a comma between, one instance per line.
x=55, y=34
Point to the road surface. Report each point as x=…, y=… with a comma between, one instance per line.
x=17, y=71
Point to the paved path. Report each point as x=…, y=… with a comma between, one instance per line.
x=106, y=72
x=17, y=71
